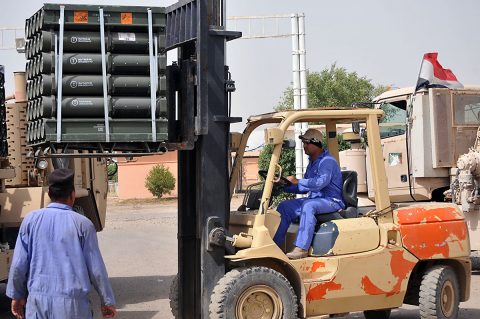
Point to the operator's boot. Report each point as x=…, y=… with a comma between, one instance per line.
x=297, y=253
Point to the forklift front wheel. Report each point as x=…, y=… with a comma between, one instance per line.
x=255, y=292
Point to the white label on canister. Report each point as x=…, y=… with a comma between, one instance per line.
x=81, y=40
x=82, y=102
x=85, y=60
x=126, y=36
x=99, y=127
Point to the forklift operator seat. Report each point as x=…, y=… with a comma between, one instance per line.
x=349, y=193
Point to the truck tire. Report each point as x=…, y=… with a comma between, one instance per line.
x=439, y=294
x=377, y=314
x=173, y=295
x=255, y=292
x=475, y=258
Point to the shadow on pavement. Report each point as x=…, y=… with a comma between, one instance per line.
x=136, y=314
x=133, y=290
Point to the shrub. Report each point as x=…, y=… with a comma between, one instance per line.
x=112, y=171
x=160, y=181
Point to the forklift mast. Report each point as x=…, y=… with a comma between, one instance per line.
x=199, y=84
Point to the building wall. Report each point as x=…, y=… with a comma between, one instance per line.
x=132, y=175
x=248, y=171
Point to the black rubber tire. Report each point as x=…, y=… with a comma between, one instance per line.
x=433, y=282
x=475, y=258
x=377, y=314
x=173, y=295
x=230, y=289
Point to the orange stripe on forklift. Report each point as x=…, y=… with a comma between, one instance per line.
x=400, y=270
x=319, y=291
x=316, y=265
x=428, y=240
x=420, y=215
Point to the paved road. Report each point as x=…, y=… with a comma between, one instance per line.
x=139, y=246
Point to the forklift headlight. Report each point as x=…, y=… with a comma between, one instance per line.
x=42, y=164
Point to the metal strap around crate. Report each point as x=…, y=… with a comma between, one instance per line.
x=58, y=79
x=153, y=87
x=104, y=76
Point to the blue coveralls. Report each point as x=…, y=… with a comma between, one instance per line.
x=55, y=262
x=323, y=181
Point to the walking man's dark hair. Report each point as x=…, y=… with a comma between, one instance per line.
x=60, y=184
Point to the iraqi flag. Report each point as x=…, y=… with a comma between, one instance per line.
x=433, y=75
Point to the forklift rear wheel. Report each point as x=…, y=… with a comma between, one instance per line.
x=439, y=294
x=377, y=314
x=253, y=293
x=475, y=258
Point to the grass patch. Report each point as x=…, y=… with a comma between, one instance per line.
x=144, y=201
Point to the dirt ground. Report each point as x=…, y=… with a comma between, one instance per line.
x=139, y=246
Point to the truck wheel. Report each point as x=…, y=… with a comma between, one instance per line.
x=439, y=294
x=253, y=293
x=377, y=314
x=173, y=295
x=475, y=258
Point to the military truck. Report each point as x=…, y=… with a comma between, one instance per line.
x=431, y=151
x=23, y=179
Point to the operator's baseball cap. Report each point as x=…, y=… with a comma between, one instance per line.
x=312, y=136
x=61, y=178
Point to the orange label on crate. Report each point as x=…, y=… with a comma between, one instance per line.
x=126, y=18
x=80, y=17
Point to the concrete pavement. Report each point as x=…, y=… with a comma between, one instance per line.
x=139, y=246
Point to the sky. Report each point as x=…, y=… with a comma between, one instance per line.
x=379, y=39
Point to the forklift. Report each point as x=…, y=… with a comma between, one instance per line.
x=229, y=266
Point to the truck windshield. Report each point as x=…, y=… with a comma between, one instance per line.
x=393, y=123
x=467, y=109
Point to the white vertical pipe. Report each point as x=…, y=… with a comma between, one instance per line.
x=104, y=76
x=153, y=80
x=59, y=78
x=303, y=77
x=296, y=95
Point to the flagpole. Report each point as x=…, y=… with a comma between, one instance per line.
x=418, y=76
x=408, y=123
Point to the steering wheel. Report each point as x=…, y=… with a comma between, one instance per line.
x=283, y=181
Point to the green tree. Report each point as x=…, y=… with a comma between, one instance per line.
x=287, y=162
x=334, y=86
x=160, y=181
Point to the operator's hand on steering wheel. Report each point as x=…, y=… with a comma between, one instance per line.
x=292, y=179
x=282, y=180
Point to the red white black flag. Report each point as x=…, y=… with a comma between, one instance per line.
x=433, y=75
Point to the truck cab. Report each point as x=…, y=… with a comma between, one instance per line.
x=423, y=136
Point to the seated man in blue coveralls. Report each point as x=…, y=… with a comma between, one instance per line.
x=323, y=182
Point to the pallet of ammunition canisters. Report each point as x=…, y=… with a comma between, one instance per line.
x=96, y=77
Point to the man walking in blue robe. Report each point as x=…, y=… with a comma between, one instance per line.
x=323, y=182
x=57, y=260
